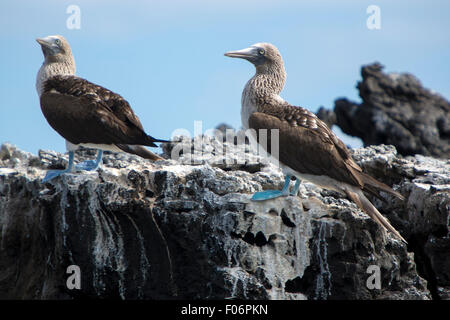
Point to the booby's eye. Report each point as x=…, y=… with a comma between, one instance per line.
x=261, y=52
x=58, y=42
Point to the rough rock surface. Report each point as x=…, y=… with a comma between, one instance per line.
x=396, y=110
x=185, y=228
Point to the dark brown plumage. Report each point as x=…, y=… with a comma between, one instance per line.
x=139, y=150
x=83, y=112
x=311, y=147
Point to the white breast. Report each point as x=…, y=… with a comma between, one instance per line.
x=41, y=76
x=247, y=106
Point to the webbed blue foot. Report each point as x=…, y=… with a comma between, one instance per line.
x=272, y=194
x=51, y=174
x=90, y=165
x=268, y=194
x=87, y=165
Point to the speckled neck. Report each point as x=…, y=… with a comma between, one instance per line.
x=262, y=89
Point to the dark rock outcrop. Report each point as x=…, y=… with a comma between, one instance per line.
x=181, y=230
x=326, y=115
x=396, y=110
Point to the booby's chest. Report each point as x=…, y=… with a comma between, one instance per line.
x=248, y=106
x=48, y=70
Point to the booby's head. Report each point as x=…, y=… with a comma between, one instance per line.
x=259, y=54
x=268, y=62
x=55, y=48
x=58, y=60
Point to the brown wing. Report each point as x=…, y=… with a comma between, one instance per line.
x=83, y=112
x=306, y=144
x=76, y=86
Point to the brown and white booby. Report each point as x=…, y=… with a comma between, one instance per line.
x=307, y=148
x=84, y=113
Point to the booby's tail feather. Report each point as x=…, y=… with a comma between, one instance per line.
x=373, y=186
x=140, y=151
x=361, y=201
x=158, y=140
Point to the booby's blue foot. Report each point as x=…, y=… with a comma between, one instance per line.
x=55, y=173
x=87, y=165
x=272, y=194
x=268, y=194
x=294, y=191
x=90, y=165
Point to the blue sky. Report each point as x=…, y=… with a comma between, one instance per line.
x=166, y=57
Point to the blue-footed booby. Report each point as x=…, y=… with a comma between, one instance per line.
x=84, y=113
x=307, y=148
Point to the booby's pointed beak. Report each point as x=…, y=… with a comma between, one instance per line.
x=47, y=41
x=248, y=53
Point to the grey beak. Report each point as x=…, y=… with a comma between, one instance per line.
x=44, y=41
x=247, y=53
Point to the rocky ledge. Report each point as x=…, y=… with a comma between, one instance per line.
x=187, y=229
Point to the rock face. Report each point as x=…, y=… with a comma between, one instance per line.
x=396, y=110
x=185, y=228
